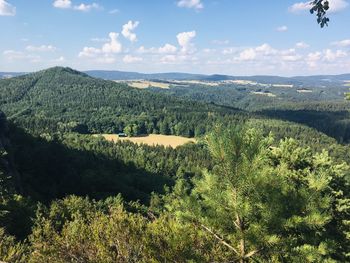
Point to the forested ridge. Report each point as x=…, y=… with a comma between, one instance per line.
x=67, y=100
x=243, y=193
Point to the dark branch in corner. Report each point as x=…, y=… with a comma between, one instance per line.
x=320, y=7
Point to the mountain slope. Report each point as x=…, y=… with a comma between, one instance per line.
x=65, y=99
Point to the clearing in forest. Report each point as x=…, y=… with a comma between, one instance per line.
x=152, y=139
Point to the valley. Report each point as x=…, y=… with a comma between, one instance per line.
x=184, y=131
x=84, y=147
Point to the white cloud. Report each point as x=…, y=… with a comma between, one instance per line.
x=97, y=39
x=291, y=58
x=196, y=4
x=42, y=48
x=127, y=30
x=7, y=9
x=113, y=11
x=300, y=7
x=87, y=7
x=131, y=59
x=168, y=59
x=114, y=46
x=143, y=50
x=266, y=49
x=167, y=48
x=184, y=39
x=220, y=42
x=89, y=52
x=65, y=4
x=302, y=45
x=337, y=5
x=106, y=60
x=60, y=59
x=334, y=6
x=208, y=50
x=342, y=43
x=331, y=56
x=105, y=54
x=230, y=50
x=282, y=29
x=247, y=54
x=13, y=55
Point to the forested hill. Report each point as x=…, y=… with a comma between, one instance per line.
x=67, y=100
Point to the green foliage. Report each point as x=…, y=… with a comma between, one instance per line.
x=61, y=99
x=10, y=250
x=263, y=202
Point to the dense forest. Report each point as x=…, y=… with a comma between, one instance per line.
x=243, y=193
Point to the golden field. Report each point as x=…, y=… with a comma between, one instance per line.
x=152, y=139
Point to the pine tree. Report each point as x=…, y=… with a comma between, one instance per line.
x=261, y=202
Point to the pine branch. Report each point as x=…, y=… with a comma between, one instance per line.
x=219, y=238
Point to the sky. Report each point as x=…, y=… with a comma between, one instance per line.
x=234, y=37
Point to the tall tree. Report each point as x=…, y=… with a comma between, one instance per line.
x=262, y=202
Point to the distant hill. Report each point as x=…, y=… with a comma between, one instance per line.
x=6, y=75
x=68, y=100
x=321, y=80
x=316, y=80
x=121, y=75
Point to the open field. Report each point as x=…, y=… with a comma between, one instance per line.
x=268, y=94
x=152, y=139
x=282, y=85
x=304, y=91
x=147, y=84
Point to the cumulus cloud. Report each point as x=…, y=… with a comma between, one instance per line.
x=67, y=4
x=248, y=54
x=98, y=39
x=89, y=52
x=131, y=59
x=127, y=30
x=12, y=55
x=64, y=4
x=331, y=56
x=196, y=4
x=167, y=48
x=301, y=45
x=60, y=59
x=7, y=9
x=184, y=39
x=334, y=6
x=230, y=50
x=342, y=43
x=105, y=54
x=86, y=7
x=42, y=48
x=114, y=46
x=282, y=29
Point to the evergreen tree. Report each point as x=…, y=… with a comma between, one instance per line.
x=262, y=202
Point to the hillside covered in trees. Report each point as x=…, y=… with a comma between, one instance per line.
x=243, y=193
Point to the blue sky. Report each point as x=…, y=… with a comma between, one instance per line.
x=237, y=37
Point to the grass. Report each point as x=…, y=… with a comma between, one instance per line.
x=268, y=94
x=152, y=139
x=146, y=84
